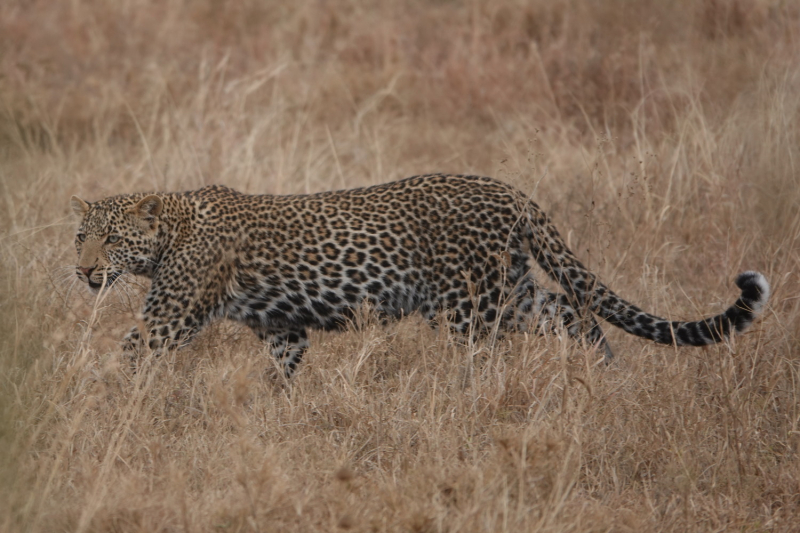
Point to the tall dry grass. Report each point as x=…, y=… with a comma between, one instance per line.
x=661, y=136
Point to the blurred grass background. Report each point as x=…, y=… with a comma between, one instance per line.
x=662, y=137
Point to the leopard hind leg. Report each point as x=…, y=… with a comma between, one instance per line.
x=287, y=346
x=548, y=311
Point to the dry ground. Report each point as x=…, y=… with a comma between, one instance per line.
x=662, y=137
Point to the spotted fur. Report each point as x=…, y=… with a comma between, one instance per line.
x=286, y=264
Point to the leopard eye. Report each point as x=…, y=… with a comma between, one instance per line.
x=113, y=239
x=82, y=237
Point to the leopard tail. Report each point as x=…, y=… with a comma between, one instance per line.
x=586, y=292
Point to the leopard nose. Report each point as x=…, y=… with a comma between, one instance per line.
x=86, y=271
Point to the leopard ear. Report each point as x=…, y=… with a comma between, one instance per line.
x=148, y=207
x=79, y=207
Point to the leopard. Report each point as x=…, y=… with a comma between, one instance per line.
x=456, y=249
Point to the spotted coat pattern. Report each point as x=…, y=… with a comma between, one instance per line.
x=462, y=245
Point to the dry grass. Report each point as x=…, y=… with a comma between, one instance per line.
x=663, y=137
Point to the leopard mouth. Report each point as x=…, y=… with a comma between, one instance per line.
x=95, y=286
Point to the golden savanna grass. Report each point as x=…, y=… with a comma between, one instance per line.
x=662, y=137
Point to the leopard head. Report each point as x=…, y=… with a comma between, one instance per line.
x=117, y=235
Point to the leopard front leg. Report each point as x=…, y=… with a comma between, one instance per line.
x=132, y=348
x=168, y=325
x=287, y=346
x=160, y=339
